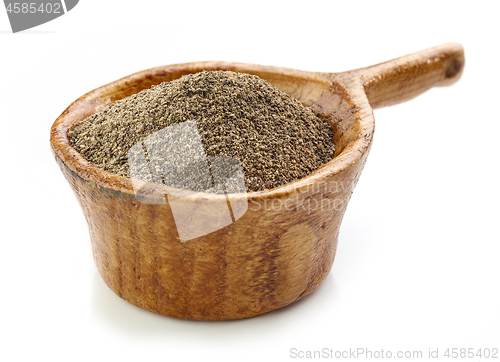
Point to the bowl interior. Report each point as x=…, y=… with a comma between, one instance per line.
x=330, y=98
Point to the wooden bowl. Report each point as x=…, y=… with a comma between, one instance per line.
x=280, y=243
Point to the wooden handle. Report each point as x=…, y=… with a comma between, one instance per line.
x=404, y=78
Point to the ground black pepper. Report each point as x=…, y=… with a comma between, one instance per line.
x=237, y=116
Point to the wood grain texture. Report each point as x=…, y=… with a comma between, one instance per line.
x=284, y=245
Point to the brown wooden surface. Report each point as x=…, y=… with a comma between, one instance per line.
x=278, y=251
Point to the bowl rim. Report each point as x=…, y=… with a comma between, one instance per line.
x=349, y=84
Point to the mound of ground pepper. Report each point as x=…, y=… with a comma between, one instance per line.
x=274, y=138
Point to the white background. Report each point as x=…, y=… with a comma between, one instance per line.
x=417, y=265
